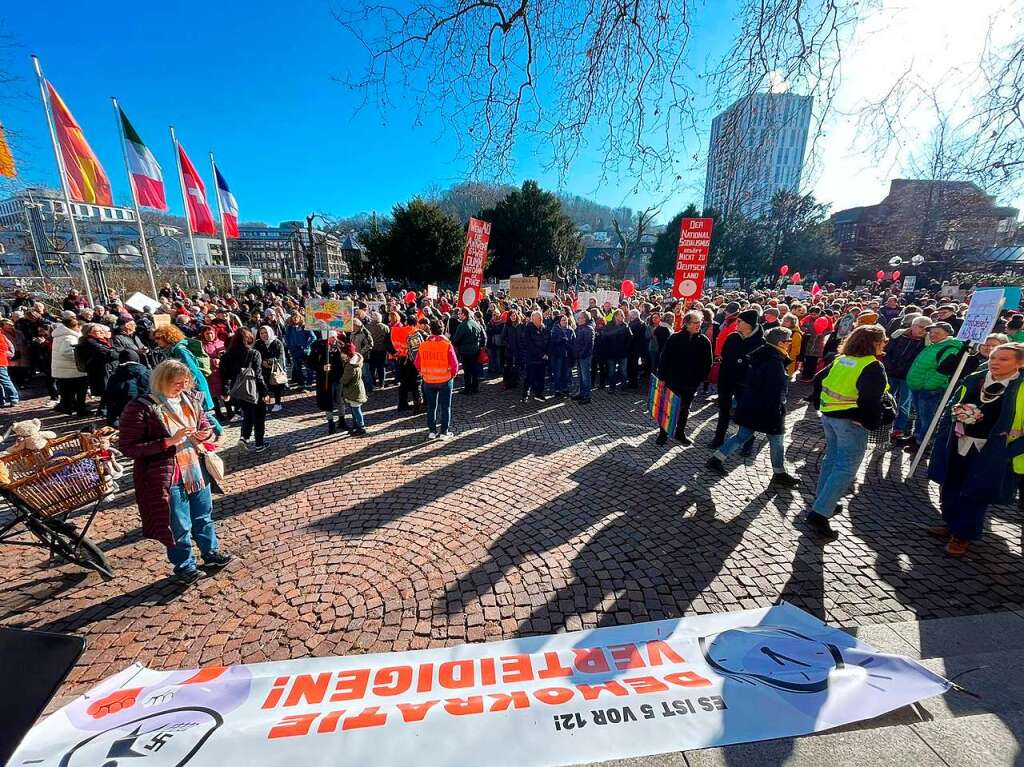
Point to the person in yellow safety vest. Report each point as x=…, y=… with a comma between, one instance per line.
x=979, y=453
x=438, y=365
x=851, y=394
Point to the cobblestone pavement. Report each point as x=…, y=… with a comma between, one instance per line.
x=537, y=518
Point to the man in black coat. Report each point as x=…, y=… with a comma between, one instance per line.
x=900, y=353
x=637, y=349
x=733, y=369
x=684, y=365
x=761, y=405
x=535, y=356
x=617, y=339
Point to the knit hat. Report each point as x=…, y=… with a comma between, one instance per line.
x=732, y=307
x=750, y=316
x=349, y=350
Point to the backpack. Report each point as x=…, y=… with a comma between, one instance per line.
x=195, y=346
x=81, y=357
x=244, y=387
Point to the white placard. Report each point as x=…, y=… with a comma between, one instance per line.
x=910, y=283
x=432, y=292
x=585, y=696
x=982, y=314
x=140, y=302
x=546, y=288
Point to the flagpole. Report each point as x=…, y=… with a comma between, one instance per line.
x=184, y=200
x=47, y=109
x=223, y=230
x=135, y=199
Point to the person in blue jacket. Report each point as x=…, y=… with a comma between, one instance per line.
x=583, y=351
x=561, y=339
x=299, y=341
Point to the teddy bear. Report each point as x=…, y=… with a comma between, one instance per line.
x=29, y=436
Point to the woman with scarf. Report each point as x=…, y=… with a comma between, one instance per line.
x=165, y=433
x=979, y=450
x=272, y=352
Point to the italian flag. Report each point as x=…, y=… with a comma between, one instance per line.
x=147, y=180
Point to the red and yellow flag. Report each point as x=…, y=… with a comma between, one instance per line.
x=6, y=158
x=87, y=181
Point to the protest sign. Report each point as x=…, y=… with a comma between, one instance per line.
x=381, y=287
x=608, y=296
x=325, y=314
x=523, y=287
x=1011, y=297
x=140, y=302
x=692, y=257
x=794, y=291
x=161, y=320
x=910, y=283
x=546, y=288
x=432, y=292
x=583, y=300
x=503, y=285
x=982, y=313
x=586, y=696
x=472, y=279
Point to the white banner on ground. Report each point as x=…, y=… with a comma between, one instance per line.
x=586, y=696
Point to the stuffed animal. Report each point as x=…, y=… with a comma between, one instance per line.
x=29, y=436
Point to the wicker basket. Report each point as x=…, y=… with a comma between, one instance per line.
x=69, y=473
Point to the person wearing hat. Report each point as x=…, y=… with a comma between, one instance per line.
x=900, y=353
x=732, y=371
x=353, y=391
x=947, y=314
x=926, y=381
x=761, y=406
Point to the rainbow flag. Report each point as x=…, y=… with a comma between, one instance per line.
x=664, y=406
x=87, y=181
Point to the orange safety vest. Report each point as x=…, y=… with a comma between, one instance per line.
x=400, y=339
x=433, y=357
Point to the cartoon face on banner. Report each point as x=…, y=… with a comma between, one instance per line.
x=157, y=724
x=328, y=314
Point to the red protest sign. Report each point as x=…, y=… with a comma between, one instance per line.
x=692, y=257
x=472, y=280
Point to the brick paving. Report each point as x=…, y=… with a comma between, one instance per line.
x=537, y=518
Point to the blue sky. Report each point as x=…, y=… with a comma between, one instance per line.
x=254, y=84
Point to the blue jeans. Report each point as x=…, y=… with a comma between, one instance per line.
x=776, y=447
x=561, y=373
x=300, y=373
x=190, y=514
x=583, y=369
x=438, y=399
x=356, y=412
x=367, y=376
x=925, y=403
x=616, y=372
x=898, y=389
x=845, y=445
x=8, y=391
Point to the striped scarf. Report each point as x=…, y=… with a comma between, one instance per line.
x=186, y=457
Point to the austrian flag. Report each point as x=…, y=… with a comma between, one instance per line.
x=228, y=206
x=147, y=180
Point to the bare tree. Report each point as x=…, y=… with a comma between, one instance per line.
x=630, y=242
x=616, y=74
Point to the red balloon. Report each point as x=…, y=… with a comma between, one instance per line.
x=795, y=278
x=879, y=275
x=784, y=270
x=896, y=275
x=628, y=288
x=410, y=297
x=820, y=325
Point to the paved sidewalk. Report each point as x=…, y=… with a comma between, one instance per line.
x=537, y=518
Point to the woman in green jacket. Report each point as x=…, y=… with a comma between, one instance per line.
x=353, y=391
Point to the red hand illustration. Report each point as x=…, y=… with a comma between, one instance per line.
x=111, y=704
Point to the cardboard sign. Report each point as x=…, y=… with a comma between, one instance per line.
x=477, y=236
x=161, y=320
x=325, y=314
x=608, y=296
x=692, y=257
x=523, y=287
x=140, y=302
x=981, y=315
x=579, y=697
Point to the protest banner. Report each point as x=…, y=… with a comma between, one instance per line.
x=586, y=696
x=546, y=288
x=692, y=257
x=794, y=291
x=608, y=296
x=982, y=313
x=523, y=287
x=140, y=302
x=583, y=300
x=477, y=236
x=1011, y=297
x=910, y=283
x=323, y=314
x=432, y=292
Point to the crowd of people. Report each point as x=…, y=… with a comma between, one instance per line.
x=875, y=360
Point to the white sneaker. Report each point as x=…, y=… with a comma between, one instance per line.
x=276, y=409
x=432, y=435
x=446, y=436
x=53, y=403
